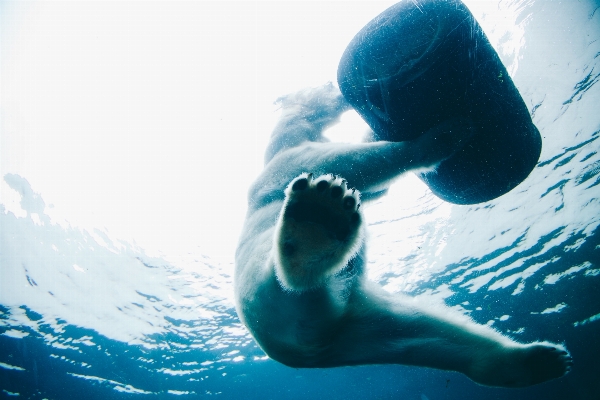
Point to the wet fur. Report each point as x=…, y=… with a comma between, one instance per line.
x=300, y=283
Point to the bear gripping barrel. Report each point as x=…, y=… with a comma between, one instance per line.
x=420, y=63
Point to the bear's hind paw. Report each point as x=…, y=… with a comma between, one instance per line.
x=318, y=232
x=525, y=365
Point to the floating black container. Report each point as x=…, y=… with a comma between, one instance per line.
x=423, y=62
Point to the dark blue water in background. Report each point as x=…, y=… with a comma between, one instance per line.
x=85, y=316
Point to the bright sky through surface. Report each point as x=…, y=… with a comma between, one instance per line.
x=149, y=119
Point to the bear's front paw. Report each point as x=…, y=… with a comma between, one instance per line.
x=318, y=232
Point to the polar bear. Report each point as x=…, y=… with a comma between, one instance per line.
x=300, y=286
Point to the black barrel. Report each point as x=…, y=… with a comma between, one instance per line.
x=420, y=63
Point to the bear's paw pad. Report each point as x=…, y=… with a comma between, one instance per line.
x=319, y=229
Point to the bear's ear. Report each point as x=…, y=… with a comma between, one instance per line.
x=316, y=102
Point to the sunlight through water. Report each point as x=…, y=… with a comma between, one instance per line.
x=130, y=134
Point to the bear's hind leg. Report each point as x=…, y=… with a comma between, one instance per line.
x=523, y=365
x=319, y=230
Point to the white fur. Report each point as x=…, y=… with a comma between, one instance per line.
x=300, y=285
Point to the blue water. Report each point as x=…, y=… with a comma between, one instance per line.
x=83, y=315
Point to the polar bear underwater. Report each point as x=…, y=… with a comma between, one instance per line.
x=300, y=284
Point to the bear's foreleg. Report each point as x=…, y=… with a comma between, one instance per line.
x=369, y=167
